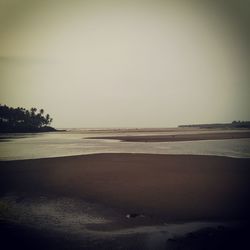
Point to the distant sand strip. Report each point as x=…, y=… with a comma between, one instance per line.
x=179, y=137
x=176, y=188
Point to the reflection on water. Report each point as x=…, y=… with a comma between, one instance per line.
x=30, y=146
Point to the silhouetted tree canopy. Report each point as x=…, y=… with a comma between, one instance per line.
x=22, y=120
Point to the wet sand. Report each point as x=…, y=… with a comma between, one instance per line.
x=183, y=187
x=180, y=137
x=162, y=188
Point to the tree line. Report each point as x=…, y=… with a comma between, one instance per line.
x=234, y=124
x=23, y=120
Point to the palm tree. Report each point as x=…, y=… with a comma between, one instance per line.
x=48, y=119
x=41, y=111
x=22, y=120
x=33, y=110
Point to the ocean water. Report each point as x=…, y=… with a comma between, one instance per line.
x=76, y=142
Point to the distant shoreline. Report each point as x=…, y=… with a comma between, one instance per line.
x=232, y=125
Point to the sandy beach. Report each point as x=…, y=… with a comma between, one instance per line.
x=159, y=189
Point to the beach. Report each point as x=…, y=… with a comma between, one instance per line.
x=133, y=190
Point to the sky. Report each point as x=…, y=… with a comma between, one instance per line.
x=128, y=63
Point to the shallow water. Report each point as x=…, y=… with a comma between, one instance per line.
x=43, y=145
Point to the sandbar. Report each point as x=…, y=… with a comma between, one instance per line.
x=179, y=137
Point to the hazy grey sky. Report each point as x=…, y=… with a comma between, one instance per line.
x=126, y=63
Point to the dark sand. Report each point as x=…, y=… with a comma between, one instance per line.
x=180, y=137
x=178, y=187
x=164, y=188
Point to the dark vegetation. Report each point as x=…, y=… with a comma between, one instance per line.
x=14, y=120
